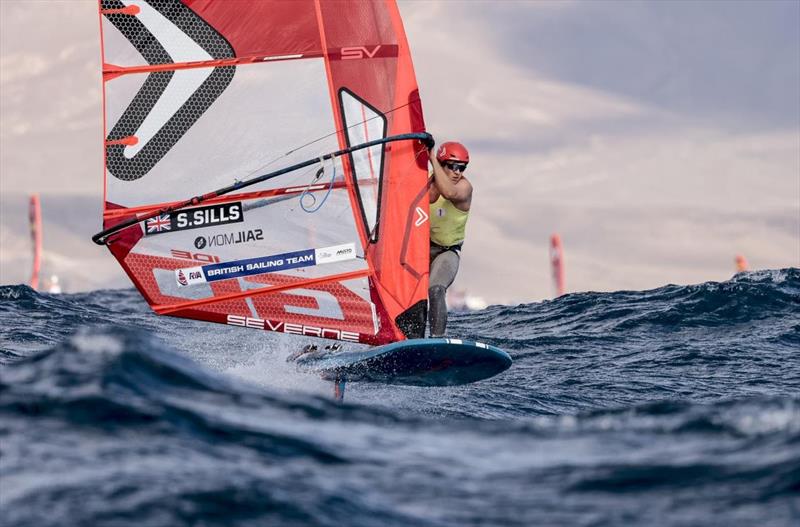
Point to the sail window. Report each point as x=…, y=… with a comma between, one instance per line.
x=364, y=123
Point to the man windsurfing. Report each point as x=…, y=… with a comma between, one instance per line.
x=450, y=197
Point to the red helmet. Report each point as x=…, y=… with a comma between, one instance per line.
x=452, y=151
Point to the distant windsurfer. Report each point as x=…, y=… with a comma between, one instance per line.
x=450, y=196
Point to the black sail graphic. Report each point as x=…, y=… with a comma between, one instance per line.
x=195, y=28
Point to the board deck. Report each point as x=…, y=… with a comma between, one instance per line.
x=416, y=362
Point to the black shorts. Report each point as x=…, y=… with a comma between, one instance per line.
x=437, y=249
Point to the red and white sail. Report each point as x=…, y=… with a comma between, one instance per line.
x=35, y=221
x=201, y=94
x=557, y=265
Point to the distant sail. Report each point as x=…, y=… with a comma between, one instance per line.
x=741, y=263
x=53, y=285
x=202, y=95
x=35, y=221
x=557, y=264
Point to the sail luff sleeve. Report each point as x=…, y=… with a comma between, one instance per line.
x=374, y=78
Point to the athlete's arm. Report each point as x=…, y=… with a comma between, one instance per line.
x=459, y=194
x=433, y=191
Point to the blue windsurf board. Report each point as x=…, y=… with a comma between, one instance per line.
x=415, y=362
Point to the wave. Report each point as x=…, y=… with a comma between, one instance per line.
x=678, y=403
x=771, y=296
x=112, y=423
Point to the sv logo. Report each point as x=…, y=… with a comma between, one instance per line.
x=358, y=52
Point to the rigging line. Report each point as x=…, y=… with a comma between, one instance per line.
x=418, y=154
x=319, y=175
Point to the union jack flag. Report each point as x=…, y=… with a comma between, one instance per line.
x=158, y=224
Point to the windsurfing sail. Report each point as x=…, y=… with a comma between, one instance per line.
x=265, y=165
x=35, y=220
x=741, y=263
x=557, y=264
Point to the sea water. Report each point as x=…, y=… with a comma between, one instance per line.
x=670, y=407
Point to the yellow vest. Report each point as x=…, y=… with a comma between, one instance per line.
x=448, y=223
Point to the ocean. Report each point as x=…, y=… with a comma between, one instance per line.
x=677, y=406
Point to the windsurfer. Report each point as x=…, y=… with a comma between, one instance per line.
x=450, y=196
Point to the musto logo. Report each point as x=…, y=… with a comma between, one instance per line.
x=229, y=238
x=196, y=218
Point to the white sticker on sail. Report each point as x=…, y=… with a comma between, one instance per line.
x=189, y=276
x=265, y=264
x=336, y=253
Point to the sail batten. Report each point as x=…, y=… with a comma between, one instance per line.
x=200, y=98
